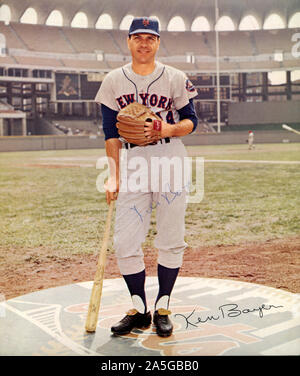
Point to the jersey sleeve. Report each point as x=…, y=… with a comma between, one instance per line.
x=188, y=112
x=109, y=120
x=184, y=91
x=105, y=93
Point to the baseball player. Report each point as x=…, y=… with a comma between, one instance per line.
x=250, y=140
x=168, y=93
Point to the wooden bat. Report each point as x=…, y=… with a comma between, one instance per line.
x=95, y=299
x=284, y=126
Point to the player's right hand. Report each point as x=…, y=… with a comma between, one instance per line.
x=111, y=187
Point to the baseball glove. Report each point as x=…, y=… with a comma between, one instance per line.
x=131, y=124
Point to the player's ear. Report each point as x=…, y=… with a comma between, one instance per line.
x=158, y=43
x=128, y=40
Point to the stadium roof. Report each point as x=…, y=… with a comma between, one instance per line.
x=165, y=10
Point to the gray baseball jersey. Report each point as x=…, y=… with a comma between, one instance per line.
x=165, y=90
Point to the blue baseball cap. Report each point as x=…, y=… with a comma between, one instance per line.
x=144, y=25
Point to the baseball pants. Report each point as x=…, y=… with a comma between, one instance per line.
x=143, y=190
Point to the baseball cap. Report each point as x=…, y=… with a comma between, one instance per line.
x=144, y=25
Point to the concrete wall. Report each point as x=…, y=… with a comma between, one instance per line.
x=31, y=143
x=248, y=113
x=91, y=142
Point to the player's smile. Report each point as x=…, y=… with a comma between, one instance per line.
x=143, y=46
x=143, y=51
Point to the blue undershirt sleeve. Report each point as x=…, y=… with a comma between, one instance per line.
x=109, y=120
x=188, y=112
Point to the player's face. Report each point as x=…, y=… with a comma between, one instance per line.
x=143, y=47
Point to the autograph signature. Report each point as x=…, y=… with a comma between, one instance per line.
x=169, y=196
x=225, y=310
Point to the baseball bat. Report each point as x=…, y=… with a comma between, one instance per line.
x=95, y=299
x=284, y=126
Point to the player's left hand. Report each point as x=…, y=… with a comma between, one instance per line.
x=151, y=132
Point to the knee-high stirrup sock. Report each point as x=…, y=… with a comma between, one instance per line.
x=136, y=286
x=166, y=279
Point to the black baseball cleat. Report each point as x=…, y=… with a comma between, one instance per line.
x=164, y=326
x=132, y=320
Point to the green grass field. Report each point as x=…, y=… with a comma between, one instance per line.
x=61, y=209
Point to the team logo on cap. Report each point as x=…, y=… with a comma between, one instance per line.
x=146, y=22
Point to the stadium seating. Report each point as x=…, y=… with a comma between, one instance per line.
x=260, y=65
x=118, y=38
x=267, y=41
x=38, y=61
x=77, y=48
x=84, y=64
x=12, y=39
x=6, y=60
x=183, y=66
x=90, y=40
x=233, y=43
x=41, y=38
x=179, y=43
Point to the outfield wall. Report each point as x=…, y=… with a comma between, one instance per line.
x=272, y=112
x=58, y=142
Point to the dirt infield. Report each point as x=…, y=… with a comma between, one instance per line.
x=275, y=263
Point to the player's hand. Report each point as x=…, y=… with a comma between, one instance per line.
x=111, y=187
x=166, y=130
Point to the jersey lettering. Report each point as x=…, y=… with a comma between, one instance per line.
x=169, y=104
x=129, y=98
x=162, y=102
x=144, y=97
x=153, y=100
x=121, y=103
x=170, y=118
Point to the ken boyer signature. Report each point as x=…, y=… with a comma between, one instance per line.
x=224, y=311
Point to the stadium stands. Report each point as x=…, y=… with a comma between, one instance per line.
x=41, y=38
x=90, y=40
x=60, y=51
x=12, y=39
x=178, y=43
x=4, y=60
x=267, y=41
x=37, y=61
x=233, y=43
x=187, y=67
x=79, y=48
x=84, y=64
x=118, y=37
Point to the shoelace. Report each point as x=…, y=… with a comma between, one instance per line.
x=132, y=312
x=163, y=312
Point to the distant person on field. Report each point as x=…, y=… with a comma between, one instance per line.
x=250, y=140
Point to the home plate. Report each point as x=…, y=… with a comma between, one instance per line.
x=210, y=317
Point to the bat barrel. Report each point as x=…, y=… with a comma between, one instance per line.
x=284, y=126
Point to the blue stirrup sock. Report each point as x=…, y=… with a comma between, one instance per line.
x=166, y=280
x=136, y=286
